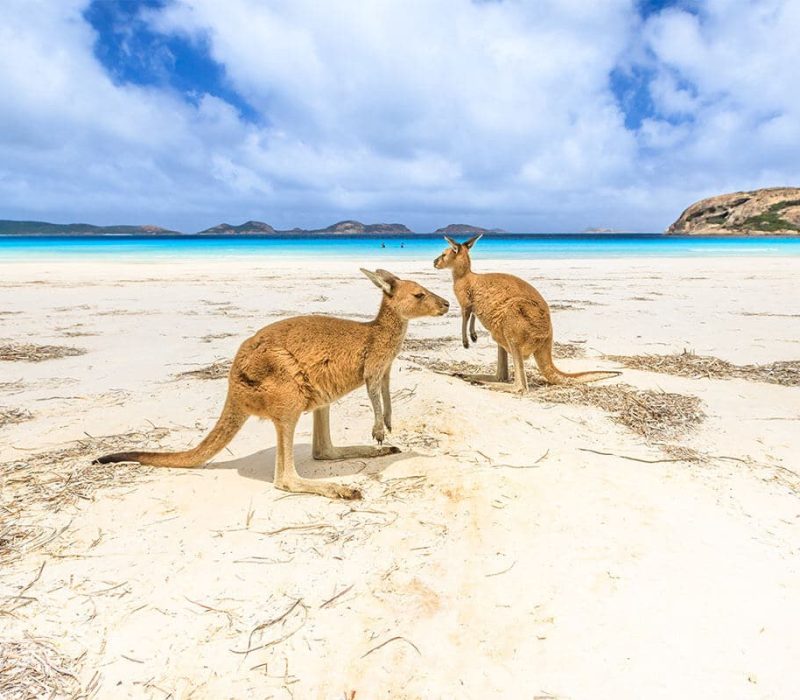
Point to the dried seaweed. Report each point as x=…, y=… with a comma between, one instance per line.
x=217, y=370
x=28, y=352
x=13, y=415
x=567, y=351
x=421, y=344
x=59, y=478
x=216, y=336
x=655, y=415
x=34, y=668
x=688, y=364
x=683, y=453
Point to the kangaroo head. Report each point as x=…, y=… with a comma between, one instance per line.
x=455, y=253
x=407, y=298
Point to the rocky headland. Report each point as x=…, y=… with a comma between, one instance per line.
x=770, y=211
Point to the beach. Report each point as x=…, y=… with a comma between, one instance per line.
x=632, y=542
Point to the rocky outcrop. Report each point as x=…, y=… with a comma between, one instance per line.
x=462, y=229
x=771, y=211
x=356, y=227
x=258, y=227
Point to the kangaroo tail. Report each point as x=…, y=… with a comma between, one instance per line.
x=544, y=359
x=228, y=424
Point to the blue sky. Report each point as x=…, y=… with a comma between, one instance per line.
x=554, y=115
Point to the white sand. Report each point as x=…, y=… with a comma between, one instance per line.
x=580, y=576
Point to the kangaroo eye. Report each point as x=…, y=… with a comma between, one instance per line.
x=420, y=295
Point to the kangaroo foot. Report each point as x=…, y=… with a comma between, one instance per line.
x=321, y=488
x=356, y=451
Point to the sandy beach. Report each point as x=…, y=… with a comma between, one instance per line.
x=636, y=539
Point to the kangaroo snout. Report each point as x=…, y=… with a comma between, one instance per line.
x=444, y=305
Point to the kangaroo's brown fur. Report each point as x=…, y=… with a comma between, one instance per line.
x=513, y=312
x=303, y=364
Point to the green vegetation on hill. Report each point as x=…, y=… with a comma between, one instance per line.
x=770, y=220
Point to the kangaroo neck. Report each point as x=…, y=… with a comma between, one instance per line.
x=462, y=273
x=462, y=270
x=388, y=323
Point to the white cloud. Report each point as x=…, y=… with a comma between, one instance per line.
x=418, y=110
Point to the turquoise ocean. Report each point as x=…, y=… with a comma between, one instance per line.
x=492, y=246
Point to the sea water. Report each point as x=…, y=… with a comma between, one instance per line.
x=497, y=246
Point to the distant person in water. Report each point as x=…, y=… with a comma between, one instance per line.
x=402, y=245
x=383, y=245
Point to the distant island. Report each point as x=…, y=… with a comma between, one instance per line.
x=257, y=227
x=343, y=228
x=30, y=228
x=600, y=229
x=769, y=211
x=463, y=229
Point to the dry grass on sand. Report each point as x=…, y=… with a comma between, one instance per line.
x=216, y=370
x=56, y=479
x=687, y=364
x=13, y=415
x=655, y=415
x=28, y=352
x=34, y=668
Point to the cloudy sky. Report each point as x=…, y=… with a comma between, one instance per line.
x=530, y=115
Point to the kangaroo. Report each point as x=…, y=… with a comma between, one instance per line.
x=304, y=364
x=514, y=313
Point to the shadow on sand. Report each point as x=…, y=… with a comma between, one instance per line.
x=261, y=465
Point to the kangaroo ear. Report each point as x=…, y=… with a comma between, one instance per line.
x=379, y=282
x=472, y=241
x=452, y=243
x=387, y=276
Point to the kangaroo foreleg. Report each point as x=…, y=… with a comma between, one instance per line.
x=374, y=389
x=323, y=448
x=472, y=334
x=386, y=395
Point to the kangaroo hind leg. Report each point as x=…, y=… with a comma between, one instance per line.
x=502, y=364
x=286, y=476
x=499, y=379
x=520, y=378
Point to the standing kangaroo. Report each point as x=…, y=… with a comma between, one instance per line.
x=303, y=364
x=515, y=314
